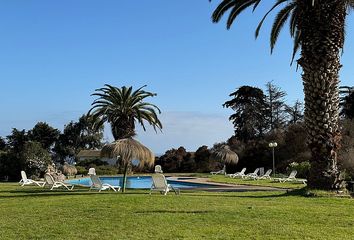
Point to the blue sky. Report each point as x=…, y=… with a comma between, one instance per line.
x=54, y=54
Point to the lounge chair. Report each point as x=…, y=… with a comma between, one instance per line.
x=238, y=174
x=252, y=175
x=266, y=175
x=25, y=181
x=222, y=171
x=98, y=185
x=291, y=178
x=158, y=169
x=92, y=171
x=160, y=184
x=49, y=180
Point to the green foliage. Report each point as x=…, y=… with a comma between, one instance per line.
x=106, y=170
x=121, y=108
x=302, y=168
x=249, y=106
x=91, y=163
x=2, y=144
x=44, y=134
x=78, y=136
x=17, y=140
x=81, y=170
x=36, y=158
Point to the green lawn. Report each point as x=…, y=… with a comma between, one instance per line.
x=265, y=182
x=34, y=213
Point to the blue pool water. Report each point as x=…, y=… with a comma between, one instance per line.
x=144, y=182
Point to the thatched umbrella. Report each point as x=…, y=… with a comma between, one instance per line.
x=225, y=155
x=126, y=150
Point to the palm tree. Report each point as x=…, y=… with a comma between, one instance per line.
x=317, y=27
x=121, y=108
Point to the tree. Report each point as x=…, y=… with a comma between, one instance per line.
x=44, y=134
x=77, y=136
x=295, y=112
x=2, y=144
x=122, y=108
x=248, y=119
x=276, y=116
x=16, y=141
x=36, y=158
x=317, y=27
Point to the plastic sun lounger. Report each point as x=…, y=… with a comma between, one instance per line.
x=98, y=185
x=266, y=175
x=291, y=178
x=56, y=184
x=238, y=174
x=160, y=184
x=25, y=181
x=252, y=175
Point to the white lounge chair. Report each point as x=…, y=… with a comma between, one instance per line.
x=252, y=175
x=92, y=171
x=222, y=171
x=98, y=185
x=160, y=184
x=158, y=169
x=25, y=181
x=291, y=178
x=238, y=174
x=266, y=175
x=49, y=180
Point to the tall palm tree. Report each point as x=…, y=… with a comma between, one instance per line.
x=122, y=108
x=317, y=27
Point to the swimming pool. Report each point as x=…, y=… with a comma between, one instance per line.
x=143, y=182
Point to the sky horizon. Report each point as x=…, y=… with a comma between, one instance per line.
x=55, y=54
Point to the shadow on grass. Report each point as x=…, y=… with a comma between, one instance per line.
x=172, y=211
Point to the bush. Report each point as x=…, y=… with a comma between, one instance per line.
x=92, y=163
x=106, y=170
x=81, y=170
x=302, y=168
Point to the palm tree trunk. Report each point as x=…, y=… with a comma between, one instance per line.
x=322, y=37
x=125, y=177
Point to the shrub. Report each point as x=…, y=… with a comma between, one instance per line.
x=302, y=168
x=106, y=170
x=81, y=170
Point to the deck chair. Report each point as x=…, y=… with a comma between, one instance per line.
x=222, y=171
x=160, y=184
x=291, y=178
x=92, y=171
x=98, y=185
x=252, y=175
x=49, y=180
x=158, y=169
x=266, y=175
x=25, y=181
x=238, y=174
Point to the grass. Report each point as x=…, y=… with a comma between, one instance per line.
x=265, y=182
x=35, y=213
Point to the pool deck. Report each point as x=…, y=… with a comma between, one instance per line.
x=223, y=186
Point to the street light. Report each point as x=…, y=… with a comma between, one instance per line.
x=273, y=145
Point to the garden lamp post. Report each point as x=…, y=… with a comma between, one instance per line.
x=273, y=145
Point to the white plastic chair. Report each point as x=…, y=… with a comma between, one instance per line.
x=252, y=175
x=291, y=178
x=56, y=184
x=160, y=184
x=266, y=175
x=158, y=169
x=98, y=185
x=92, y=171
x=25, y=181
x=222, y=171
x=238, y=174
